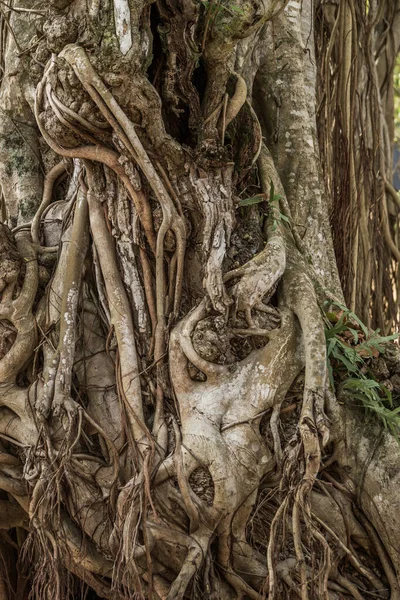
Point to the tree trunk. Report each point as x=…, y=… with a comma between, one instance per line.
x=180, y=378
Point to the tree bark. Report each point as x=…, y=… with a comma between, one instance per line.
x=169, y=426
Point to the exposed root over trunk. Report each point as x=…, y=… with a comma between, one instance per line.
x=167, y=425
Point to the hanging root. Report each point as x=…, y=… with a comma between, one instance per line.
x=172, y=218
x=305, y=457
x=121, y=319
x=217, y=423
x=232, y=106
x=69, y=306
x=48, y=188
x=303, y=460
x=18, y=311
x=124, y=128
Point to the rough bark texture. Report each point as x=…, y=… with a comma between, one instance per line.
x=168, y=428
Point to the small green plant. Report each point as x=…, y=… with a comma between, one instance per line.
x=215, y=8
x=273, y=203
x=349, y=346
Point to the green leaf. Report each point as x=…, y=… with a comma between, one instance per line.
x=271, y=192
x=347, y=363
x=331, y=316
x=362, y=384
x=389, y=397
x=331, y=345
x=351, y=316
x=253, y=200
x=355, y=335
x=375, y=342
x=236, y=9
x=372, y=395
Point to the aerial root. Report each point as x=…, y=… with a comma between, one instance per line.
x=19, y=313
x=69, y=306
x=352, y=557
x=121, y=319
x=125, y=130
x=349, y=587
x=183, y=482
x=51, y=178
x=302, y=525
x=172, y=217
x=113, y=452
x=297, y=504
x=238, y=99
x=258, y=277
x=197, y=550
x=182, y=350
x=249, y=564
x=241, y=588
x=274, y=424
x=101, y=153
x=284, y=569
x=184, y=332
x=382, y=553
